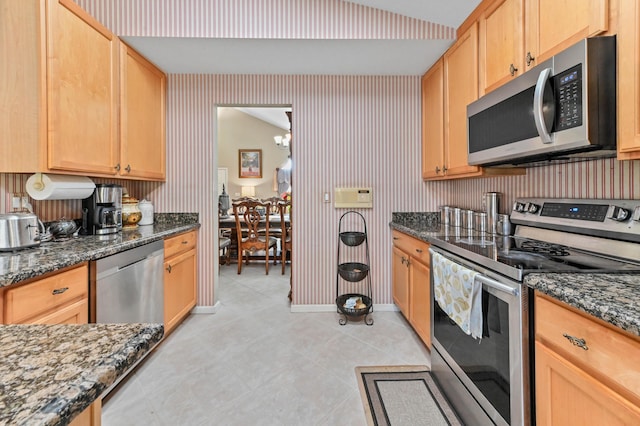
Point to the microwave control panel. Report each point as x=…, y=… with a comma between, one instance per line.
x=568, y=92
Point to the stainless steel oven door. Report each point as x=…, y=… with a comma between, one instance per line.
x=486, y=380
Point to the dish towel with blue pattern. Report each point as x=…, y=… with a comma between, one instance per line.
x=458, y=293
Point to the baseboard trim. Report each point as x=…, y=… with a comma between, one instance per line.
x=384, y=307
x=206, y=309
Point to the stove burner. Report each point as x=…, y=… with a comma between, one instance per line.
x=544, y=248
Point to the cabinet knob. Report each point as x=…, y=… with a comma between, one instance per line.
x=117, y=167
x=581, y=343
x=437, y=169
x=168, y=268
x=59, y=290
x=128, y=168
x=444, y=169
x=529, y=59
x=419, y=250
x=512, y=70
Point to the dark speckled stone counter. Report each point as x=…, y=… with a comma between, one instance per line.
x=51, y=373
x=419, y=225
x=614, y=298
x=51, y=256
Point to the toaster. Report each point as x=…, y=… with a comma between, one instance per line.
x=19, y=230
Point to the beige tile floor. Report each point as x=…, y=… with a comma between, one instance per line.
x=256, y=363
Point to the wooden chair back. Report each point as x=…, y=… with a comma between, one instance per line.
x=252, y=229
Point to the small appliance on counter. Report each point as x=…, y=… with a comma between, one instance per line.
x=146, y=208
x=102, y=211
x=131, y=213
x=19, y=230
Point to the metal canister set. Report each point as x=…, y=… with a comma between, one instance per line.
x=481, y=224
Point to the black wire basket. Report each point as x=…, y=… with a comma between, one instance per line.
x=353, y=271
x=352, y=238
x=342, y=299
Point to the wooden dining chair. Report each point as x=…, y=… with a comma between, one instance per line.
x=284, y=209
x=252, y=230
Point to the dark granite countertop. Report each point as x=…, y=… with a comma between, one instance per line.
x=51, y=373
x=51, y=256
x=614, y=298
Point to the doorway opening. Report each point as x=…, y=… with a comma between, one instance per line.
x=254, y=159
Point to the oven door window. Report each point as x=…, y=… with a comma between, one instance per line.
x=486, y=361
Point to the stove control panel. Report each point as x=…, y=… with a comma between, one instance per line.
x=617, y=219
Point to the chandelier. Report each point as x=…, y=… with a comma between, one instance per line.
x=282, y=141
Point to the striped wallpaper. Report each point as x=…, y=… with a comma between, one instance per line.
x=292, y=19
x=348, y=131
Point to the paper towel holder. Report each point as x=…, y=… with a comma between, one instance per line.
x=39, y=184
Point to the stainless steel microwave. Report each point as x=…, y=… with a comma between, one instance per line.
x=562, y=109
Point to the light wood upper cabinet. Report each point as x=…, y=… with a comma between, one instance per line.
x=552, y=26
x=82, y=91
x=460, y=89
x=142, y=117
x=433, y=122
x=629, y=81
x=58, y=89
x=61, y=85
x=501, y=36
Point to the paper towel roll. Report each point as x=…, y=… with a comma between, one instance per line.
x=59, y=187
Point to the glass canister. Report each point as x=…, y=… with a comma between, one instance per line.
x=146, y=208
x=131, y=213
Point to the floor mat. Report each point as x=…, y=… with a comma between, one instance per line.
x=403, y=395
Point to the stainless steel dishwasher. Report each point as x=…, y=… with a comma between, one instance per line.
x=128, y=287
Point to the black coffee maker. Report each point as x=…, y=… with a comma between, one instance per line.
x=102, y=211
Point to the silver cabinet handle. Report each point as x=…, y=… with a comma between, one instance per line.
x=59, y=290
x=512, y=70
x=529, y=58
x=575, y=341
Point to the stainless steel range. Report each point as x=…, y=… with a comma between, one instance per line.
x=487, y=377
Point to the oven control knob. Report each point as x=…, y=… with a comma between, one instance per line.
x=518, y=207
x=618, y=213
x=636, y=214
x=531, y=208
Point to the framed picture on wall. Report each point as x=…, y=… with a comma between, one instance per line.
x=250, y=163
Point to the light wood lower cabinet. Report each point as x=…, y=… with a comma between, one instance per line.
x=585, y=370
x=59, y=298
x=180, y=278
x=91, y=416
x=411, y=283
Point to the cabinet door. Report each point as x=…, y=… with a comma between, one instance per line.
x=400, y=267
x=628, y=69
x=501, y=43
x=76, y=313
x=566, y=395
x=179, y=288
x=555, y=25
x=433, y=122
x=460, y=88
x=82, y=91
x=420, y=300
x=142, y=118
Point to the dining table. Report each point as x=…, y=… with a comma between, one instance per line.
x=229, y=224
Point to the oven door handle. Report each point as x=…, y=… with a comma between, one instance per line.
x=498, y=285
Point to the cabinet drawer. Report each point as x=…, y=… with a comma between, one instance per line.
x=611, y=356
x=417, y=249
x=31, y=300
x=179, y=243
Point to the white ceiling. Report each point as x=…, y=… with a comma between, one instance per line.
x=273, y=115
x=318, y=57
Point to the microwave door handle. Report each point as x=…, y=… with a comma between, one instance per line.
x=538, y=114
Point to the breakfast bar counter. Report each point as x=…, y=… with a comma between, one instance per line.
x=51, y=373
